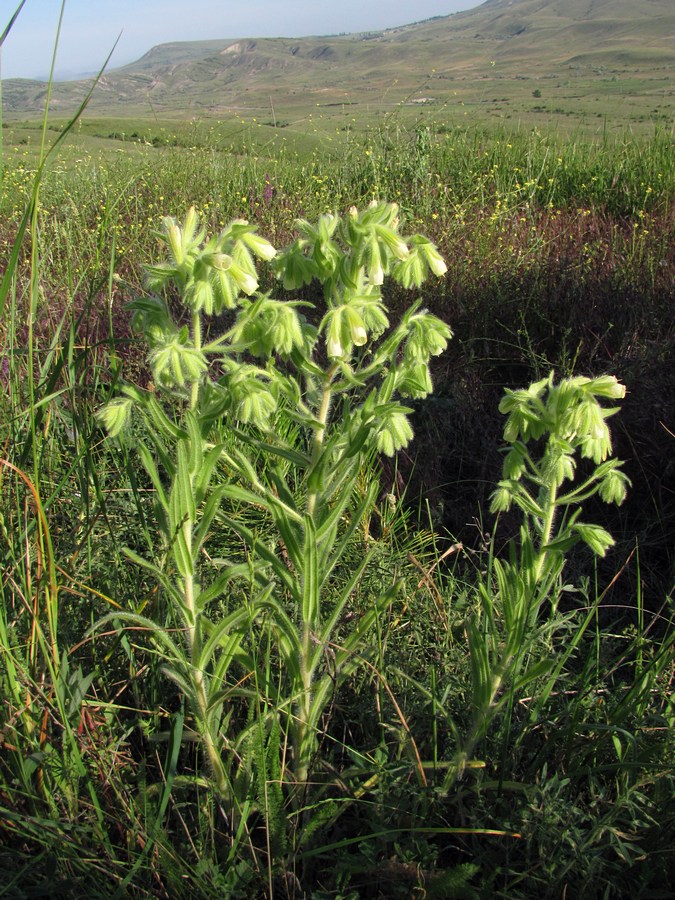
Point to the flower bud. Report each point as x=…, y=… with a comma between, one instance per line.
x=174, y=238
x=357, y=331
x=259, y=246
x=596, y=537
x=115, y=415
x=245, y=281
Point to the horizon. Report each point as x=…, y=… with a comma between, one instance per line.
x=89, y=29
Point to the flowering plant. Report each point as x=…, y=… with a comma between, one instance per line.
x=278, y=413
x=548, y=425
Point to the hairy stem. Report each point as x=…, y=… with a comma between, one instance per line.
x=196, y=672
x=550, y=509
x=303, y=741
x=197, y=341
x=319, y=434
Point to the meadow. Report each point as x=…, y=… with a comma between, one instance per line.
x=345, y=662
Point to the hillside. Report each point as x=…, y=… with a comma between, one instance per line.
x=607, y=52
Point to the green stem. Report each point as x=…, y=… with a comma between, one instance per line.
x=303, y=749
x=319, y=434
x=196, y=672
x=303, y=736
x=547, y=529
x=197, y=341
x=481, y=722
x=197, y=677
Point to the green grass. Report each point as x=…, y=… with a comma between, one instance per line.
x=560, y=255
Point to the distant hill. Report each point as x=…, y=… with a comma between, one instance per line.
x=496, y=44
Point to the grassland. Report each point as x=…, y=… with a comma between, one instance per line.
x=560, y=251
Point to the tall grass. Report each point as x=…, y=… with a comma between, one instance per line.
x=567, y=777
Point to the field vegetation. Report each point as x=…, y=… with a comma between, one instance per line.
x=280, y=616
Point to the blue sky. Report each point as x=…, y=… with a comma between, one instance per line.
x=90, y=27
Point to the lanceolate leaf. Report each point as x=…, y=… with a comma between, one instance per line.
x=160, y=575
x=287, y=635
x=207, y=515
x=355, y=639
x=481, y=671
x=151, y=630
x=310, y=576
x=203, y=477
x=182, y=485
x=226, y=636
x=289, y=533
x=166, y=427
x=150, y=467
x=182, y=681
x=355, y=520
x=342, y=599
x=280, y=450
x=195, y=444
x=182, y=555
x=259, y=548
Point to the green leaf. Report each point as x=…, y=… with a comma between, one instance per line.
x=290, y=643
x=224, y=637
x=195, y=444
x=596, y=537
x=280, y=450
x=324, y=531
x=562, y=544
x=288, y=533
x=347, y=657
x=183, y=483
x=203, y=476
x=266, y=555
x=182, y=555
x=183, y=683
x=151, y=629
x=161, y=576
x=207, y=515
x=343, y=597
x=315, y=475
x=164, y=425
x=531, y=674
x=481, y=674
x=150, y=467
x=236, y=492
x=310, y=577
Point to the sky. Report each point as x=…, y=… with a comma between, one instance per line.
x=91, y=27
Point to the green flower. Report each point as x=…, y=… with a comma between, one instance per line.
x=558, y=463
x=428, y=336
x=613, y=486
x=514, y=462
x=175, y=362
x=251, y=399
x=413, y=380
x=267, y=326
x=595, y=537
x=395, y=431
x=294, y=268
x=344, y=330
x=502, y=497
x=423, y=257
x=114, y=416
